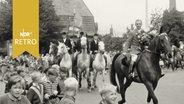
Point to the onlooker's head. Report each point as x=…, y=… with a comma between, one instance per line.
x=36, y=77
x=95, y=36
x=52, y=74
x=81, y=34
x=63, y=73
x=57, y=67
x=138, y=24
x=71, y=86
x=64, y=34
x=15, y=86
x=108, y=93
x=21, y=72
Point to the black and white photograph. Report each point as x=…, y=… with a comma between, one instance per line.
x=96, y=52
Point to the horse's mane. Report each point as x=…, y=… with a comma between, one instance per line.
x=55, y=49
x=153, y=43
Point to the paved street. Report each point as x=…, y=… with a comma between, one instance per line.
x=170, y=90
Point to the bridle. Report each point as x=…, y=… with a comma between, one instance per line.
x=157, y=53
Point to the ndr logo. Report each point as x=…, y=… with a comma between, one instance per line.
x=25, y=34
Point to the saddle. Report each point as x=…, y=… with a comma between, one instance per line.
x=127, y=62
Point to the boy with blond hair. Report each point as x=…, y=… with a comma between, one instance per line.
x=70, y=90
x=108, y=94
x=35, y=92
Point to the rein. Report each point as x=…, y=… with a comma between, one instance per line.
x=152, y=52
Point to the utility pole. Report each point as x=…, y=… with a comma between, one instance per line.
x=146, y=14
x=172, y=5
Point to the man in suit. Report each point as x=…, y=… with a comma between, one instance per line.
x=133, y=44
x=94, y=48
x=78, y=44
x=67, y=42
x=78, y=47
x=94, y=44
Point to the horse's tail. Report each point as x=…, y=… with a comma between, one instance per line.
x=112, y=71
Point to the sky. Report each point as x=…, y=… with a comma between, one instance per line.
x=121, y=13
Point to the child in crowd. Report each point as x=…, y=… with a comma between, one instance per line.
x=50, y=86
x=35, y=92
x=8, y=76
x=14, y=96
x=108, y=94
x=63, y=75
x=70, y=90
x=22, y=73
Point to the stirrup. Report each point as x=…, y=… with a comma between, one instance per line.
x=131, y=75
x=162, y=75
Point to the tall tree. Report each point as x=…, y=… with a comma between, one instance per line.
x=173, y=21
x=6, y=20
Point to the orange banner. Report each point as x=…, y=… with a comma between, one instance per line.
x=25, y=27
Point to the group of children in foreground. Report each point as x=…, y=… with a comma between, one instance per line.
x=55, y=89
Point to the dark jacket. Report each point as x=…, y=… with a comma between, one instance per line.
x=134, y=39
x=67, y=100
x=93, y=46
x=68, y=44
x=6, y=99
x=34, y=93
x=78, y=46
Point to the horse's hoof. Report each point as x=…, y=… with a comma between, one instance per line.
x=89, y=90
x=121, y=102
x=92, y=87
x=80, y=86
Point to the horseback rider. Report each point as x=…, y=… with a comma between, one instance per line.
x=94, y=48
x=67, y=42
x=78, y=46
x=133, y=43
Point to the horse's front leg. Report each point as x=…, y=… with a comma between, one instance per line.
x=88, y=80
x=79, y=79
x=70, y=73
x=151, y=95
x=103, y=75
x=94, y=79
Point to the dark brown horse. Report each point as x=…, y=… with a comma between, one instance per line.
x=147, y=67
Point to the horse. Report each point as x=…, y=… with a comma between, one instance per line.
x=66, y=61
x=147, y=67
x=53, y=58
x=83, y=63
x=177, y=57
x=99, y=62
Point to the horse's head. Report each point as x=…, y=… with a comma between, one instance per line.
x=101, y=46
x=62, y=49
x=83, y=42
x=164, y=45
x=52, y=48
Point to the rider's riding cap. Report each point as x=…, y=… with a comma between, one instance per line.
x=95, y=34
x=81, y=34
x=63, y=33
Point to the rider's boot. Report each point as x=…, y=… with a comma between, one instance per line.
x=131, y=70
x=162, y=74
